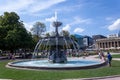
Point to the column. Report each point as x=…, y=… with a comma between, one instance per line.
x=114, y=44
x=117, y=44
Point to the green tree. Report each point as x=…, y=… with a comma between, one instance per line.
x=38, y=28
x=47, y=35
x=13, y=33
x=2, y=34
x=64, y=33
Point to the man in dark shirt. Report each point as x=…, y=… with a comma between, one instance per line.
x=109, y=58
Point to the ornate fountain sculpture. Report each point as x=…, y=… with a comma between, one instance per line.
x=58, y=56
x=55, y=44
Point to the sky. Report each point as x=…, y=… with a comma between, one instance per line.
x=83, y=17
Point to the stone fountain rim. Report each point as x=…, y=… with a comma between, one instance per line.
x=102, y=63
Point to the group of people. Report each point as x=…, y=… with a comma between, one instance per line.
x=102, y=56
x=11, y=56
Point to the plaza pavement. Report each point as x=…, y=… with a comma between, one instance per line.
x=116, y=77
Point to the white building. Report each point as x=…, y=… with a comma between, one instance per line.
x=113, y=36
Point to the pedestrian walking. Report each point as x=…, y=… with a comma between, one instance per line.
x=109, y=57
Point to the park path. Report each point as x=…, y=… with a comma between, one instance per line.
x=116, y=77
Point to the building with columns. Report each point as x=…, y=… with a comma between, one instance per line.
x=108, y=43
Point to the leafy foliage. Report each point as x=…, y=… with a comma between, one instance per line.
x=13, y=34
x=64, y=33
x=37, y=30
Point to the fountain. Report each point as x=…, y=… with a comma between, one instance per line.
x=55, y=54
x=56, y=48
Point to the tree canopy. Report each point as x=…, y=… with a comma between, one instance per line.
x=64, y=33
x=13, y=34
x=37, y=30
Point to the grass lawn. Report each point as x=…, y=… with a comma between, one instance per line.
x=17, y=74
x=116, y=56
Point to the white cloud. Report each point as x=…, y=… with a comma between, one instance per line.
x=44, y=4
x=78, y=20
x=14, y=5
x=28, y=26
x=51, y=28
x=53, y=18
x=67, y=27
x=115, y=25
x=69, y=8
x=78, y=30
x=50, y=19
x=27, y=6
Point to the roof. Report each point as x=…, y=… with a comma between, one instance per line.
x=78, y=36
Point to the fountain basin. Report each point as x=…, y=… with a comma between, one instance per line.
x=72, y=64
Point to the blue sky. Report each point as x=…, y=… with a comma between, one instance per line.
x=84, y=17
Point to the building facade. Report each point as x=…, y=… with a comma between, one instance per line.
x=113, y=35
x=79, y=40
x=95, y=37
x=87, y=41
x=108, y=43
